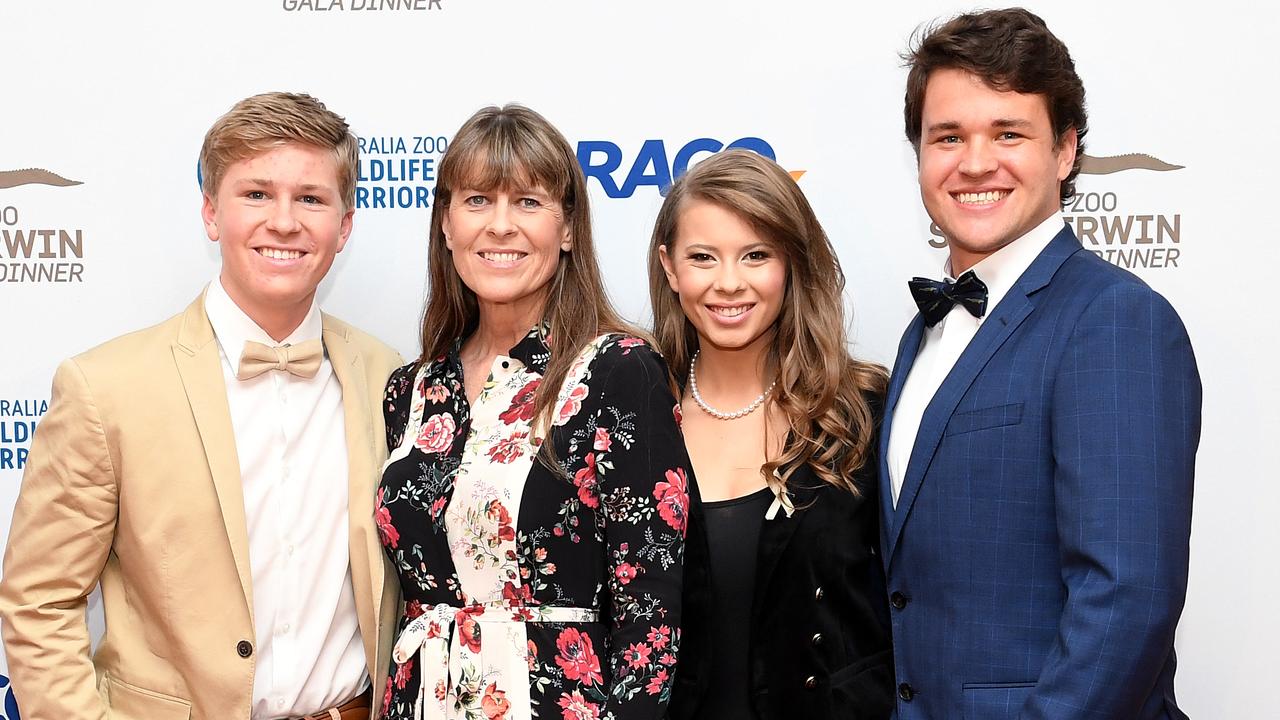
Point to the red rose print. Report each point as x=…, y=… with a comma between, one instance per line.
x=413, y=609
x=522, y=404
x=403, y=672
x=436, y=394
x=673, y=499
x=577, y=657
x=602, y=440
x=521, y=595
x=508, y=449
x=576, y=707
x=438, y=506
x=667, y=659
x=572, y=404
x=585, y=480
x=441, y=691
x=679, y=416
x=494, y=704
x=625, y=572
x=382, y=516
x=436, y=435
x=469, y=631
x=533, y=657
x=637, y=655
x=629, y=343
x=386, y=696
x=656, y=682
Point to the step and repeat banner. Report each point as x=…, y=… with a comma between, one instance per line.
x=103, y=106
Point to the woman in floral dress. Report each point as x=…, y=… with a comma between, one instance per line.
x=535, y=501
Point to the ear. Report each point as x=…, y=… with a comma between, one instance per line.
x=1066, y=153
x=566, y=238
x=668, y=268
x=344, y=232
x=444, y=229
x=209, y=214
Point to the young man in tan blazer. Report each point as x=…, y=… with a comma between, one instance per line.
x=216, y=472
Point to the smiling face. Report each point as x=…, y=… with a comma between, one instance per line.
x=731, y=281
x=506, y=246
x=279, y=220
x=990, y=169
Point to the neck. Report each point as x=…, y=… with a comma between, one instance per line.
x=731, y=375
x=501, y=326
x=276, y=320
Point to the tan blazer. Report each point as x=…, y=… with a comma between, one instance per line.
x=133, y=480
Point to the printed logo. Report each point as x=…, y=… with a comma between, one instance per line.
x=360, y=5
x=9, y=708
x=18, y=420
x=603, y=160
x=1126, y=236
x=37, y=254
x=398, y=171
x=33, y=176
x=1090, y=165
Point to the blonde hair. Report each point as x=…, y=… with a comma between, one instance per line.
x=508, y=148
x=822, y=391
x=259, y=123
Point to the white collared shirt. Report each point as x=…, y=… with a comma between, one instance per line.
x=291, y=442
x=943, y=343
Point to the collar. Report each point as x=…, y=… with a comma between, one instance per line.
x=1002, y=268
x=233, y=328
x=533, y=350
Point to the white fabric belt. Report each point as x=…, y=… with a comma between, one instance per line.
x=436, y=637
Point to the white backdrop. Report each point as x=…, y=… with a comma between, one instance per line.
x=117, y=96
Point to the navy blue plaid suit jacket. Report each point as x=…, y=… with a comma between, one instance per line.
x=1037, y=557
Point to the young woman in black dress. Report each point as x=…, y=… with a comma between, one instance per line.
x=785, y=614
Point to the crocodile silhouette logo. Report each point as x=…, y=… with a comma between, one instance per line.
x=1090, y=165
x=33, y=176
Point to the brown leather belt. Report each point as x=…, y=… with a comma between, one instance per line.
x=356, y=708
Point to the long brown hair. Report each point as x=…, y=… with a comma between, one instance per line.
x=822, y=390
x=508, y=148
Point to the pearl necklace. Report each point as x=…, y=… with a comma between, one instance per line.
x=693, y=387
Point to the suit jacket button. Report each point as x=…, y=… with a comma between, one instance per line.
x=244, y=648
x=898, y=600
x=906, y=692
x=817, y=594
x=816, y=639
x=810, y=683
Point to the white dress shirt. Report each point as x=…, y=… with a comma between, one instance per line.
x=291, y=442
x=943, y=343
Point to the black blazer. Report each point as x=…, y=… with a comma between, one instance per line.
x=819, y=636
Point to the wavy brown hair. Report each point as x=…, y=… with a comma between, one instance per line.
x=512, y=148
x=823, y=392
x=1010, y=49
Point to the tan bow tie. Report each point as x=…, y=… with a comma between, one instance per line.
x=302, y=359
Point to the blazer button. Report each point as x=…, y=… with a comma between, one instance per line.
x=244, y=648
x=898, y=600
x=906, y=692
x=818, y=594
x=816, y=639
x=810, y=683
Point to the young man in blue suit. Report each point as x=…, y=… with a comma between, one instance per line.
x=1039, y=446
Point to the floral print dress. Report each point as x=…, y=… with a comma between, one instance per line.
x=531, y=594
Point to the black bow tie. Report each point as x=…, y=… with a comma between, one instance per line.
x=936, y=298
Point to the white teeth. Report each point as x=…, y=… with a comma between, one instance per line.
x=501, y=257
x=276, y=254
x=981, y=198
x=730, y=311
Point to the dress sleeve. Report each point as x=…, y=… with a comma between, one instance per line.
x=395, y=404
x=644, y=479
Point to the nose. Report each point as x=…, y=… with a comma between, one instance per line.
x=979, y=159
x=500, y=223
x=282, y=219
x=728, y=279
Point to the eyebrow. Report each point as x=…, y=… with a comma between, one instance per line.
x=309, y=187
x=997, y=123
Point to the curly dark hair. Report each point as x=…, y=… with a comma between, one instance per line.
x=1009, y=49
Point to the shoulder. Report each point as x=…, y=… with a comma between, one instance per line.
x=376, y=353
x=138, y=350
x=627, y=357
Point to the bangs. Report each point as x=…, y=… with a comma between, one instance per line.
x=506, y=158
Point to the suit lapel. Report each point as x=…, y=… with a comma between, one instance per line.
x=366, y=564
x=907, y=351
x=200, y=366
x=992, y=334
x=776, y=534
